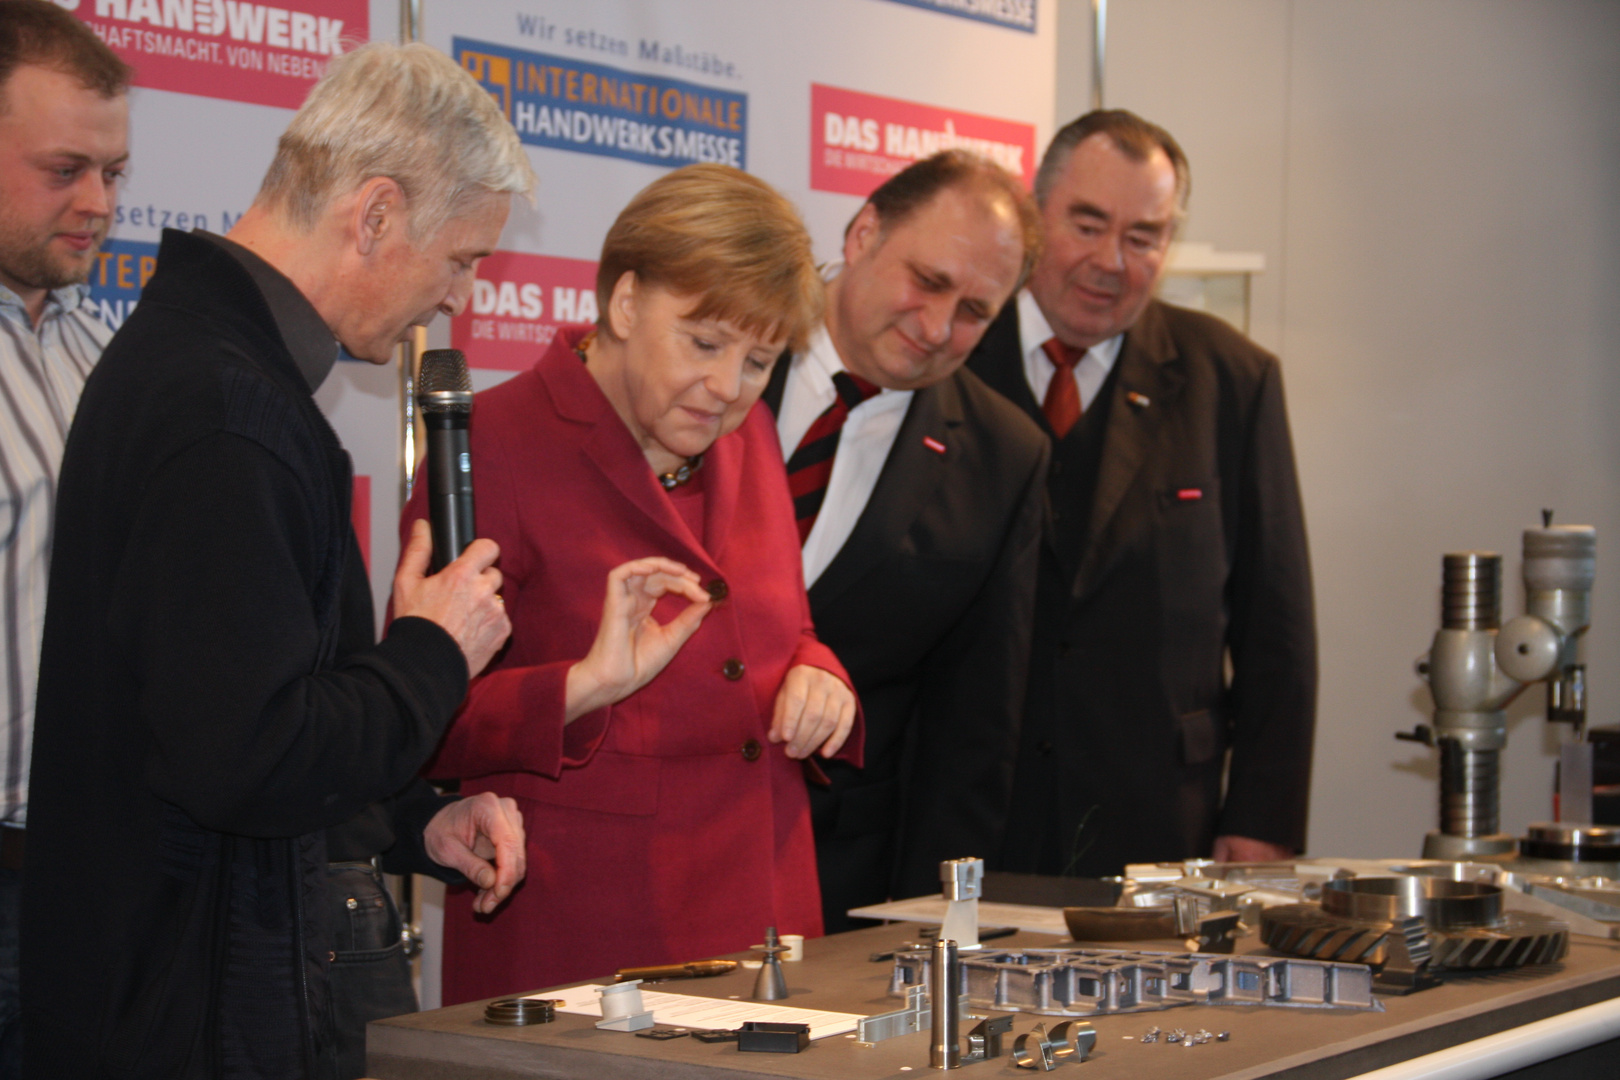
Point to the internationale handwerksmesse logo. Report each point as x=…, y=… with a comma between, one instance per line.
x=567, y=104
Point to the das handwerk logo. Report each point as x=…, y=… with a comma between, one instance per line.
x=518, y=303
x=567, y=104
x=858, y=140
x=231, y=49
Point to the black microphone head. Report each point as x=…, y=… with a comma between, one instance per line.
x=444, y=384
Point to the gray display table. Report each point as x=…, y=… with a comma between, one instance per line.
x=1297, y=1044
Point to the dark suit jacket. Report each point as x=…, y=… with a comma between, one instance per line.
x=928, y=606
x=1176, y=544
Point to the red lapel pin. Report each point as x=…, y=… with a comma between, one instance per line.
x=933, y=444
x=1190, y=494
x=1141, y=401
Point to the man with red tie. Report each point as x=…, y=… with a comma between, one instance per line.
x=919, y=498
x=1172, y=689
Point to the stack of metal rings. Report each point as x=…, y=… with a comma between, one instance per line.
x=516, y=1012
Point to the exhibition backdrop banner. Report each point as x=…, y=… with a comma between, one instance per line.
x=858, y=140
x=215, y=84
x=823, y=100
x=1014, y=14
x=518, y=303
x=120, y=273
x=231, y=49
x=566, y=104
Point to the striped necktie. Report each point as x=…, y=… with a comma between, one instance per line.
x=810, y=467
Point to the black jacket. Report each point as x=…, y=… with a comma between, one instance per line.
x=928, y=606
x=1176, y=544
x=209, y=704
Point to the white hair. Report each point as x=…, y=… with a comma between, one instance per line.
x=406, y=112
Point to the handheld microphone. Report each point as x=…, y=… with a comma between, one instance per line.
x=444, y=394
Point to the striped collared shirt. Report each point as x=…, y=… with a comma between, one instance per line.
x=42, y=370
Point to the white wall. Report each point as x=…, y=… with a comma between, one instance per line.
x=1433, y=187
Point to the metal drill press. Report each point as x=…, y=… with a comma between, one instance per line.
x=1477, y=665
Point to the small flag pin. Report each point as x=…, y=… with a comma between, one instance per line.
x=1141, y=401
x=933, y=444
x=1190, y=494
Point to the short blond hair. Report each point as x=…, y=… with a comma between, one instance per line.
x=406, y=112
x=728, y=239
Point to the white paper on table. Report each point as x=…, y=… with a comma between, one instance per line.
x=684, y=1010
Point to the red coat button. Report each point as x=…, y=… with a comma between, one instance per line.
x=733, y=669
x=750, y=750
x=718, y=590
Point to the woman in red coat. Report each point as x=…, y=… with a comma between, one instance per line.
x=671, y=825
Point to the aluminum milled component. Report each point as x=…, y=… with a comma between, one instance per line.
x=1087, y=982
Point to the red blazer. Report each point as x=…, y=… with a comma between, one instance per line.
x=665, y=828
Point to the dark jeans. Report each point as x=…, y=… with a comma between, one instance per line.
x=370, y=977
x=10, y=1003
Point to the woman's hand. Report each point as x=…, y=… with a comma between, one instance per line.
x=813, y=709
x=631, y=646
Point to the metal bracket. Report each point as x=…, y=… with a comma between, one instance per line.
x=984, y=1041
x=916, y=1016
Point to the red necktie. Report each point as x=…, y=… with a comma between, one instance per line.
x=1062, y=404
x=810, y=467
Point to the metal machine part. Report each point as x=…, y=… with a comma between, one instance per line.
x=984, y=1041
x=1411, y=925
x=1207, y=904
x=519, y=1012
x=1589, y=905
x=1439, y=902
x=945, y=1043
x=963, y=881
x=1585, y=898
x=1572, y=845
x=1071, y=1040
x=1087, y=982
x=769, y=984
x=914, y=1017
x=1477, y=665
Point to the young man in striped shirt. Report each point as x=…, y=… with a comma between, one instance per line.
x=64, y=125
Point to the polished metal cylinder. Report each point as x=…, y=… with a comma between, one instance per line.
x=1560, y=557
x=1469, y=790
x=944, y=985
x=1471, y=591
x=1441, y=904
x=1575, y=842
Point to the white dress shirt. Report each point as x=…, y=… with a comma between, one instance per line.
x=1089, y=374
x=863, y=447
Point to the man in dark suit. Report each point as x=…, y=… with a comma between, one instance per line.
x=919, y=498
x=1173, y=673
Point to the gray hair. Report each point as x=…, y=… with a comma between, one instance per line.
x=406, y=112
x=1131, y=135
